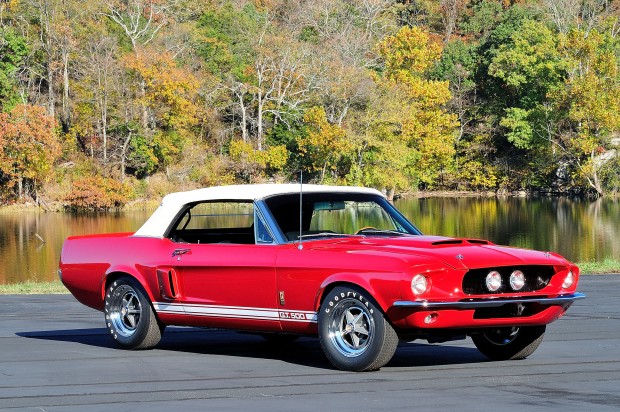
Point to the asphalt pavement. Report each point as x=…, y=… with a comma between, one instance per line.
x=55, y=355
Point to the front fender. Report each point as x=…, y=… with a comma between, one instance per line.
x=384, y=289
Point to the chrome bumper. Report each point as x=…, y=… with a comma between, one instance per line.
x=489, y=303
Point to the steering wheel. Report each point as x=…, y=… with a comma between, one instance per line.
x=357, y=232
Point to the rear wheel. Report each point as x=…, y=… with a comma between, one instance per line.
x=510, y=342
x=353, y=331
x=129, y=315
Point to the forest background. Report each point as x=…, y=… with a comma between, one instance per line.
x=105, y=102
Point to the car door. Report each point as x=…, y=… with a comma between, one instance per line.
x=225, y=278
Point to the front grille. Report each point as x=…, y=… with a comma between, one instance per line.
x=510, y=310
x=536, y=278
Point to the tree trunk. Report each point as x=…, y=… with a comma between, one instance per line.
x=51, y=101
x=244, y=118
x=124, y=155
x=145, y=113
x=104, y=126
x=66, y=121
x=390, y=194
x=259, y=137
x=323, y=172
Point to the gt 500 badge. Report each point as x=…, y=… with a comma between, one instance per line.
x=292, y=315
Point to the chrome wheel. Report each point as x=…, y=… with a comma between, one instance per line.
x=125, y=310
x=129, y=315
x=354, y=333
x=352, y=328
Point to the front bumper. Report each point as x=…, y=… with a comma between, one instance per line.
x=488, y=303
x=481, y=313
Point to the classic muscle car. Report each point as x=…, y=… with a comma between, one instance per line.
x=338, y=262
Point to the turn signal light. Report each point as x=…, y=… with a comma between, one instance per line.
x=569, y=280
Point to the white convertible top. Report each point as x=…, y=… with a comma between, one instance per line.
x=170, y=206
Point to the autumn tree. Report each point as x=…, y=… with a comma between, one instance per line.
x=141, y=21
x=323, y=144
x=416, y=112
x=250, y=164
x=95, y=90
x=170, y=96
x=591, y=101
x=28, y=149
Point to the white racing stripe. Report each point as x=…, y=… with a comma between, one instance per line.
x=235, y=312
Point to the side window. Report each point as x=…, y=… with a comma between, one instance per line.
x=216, y=222
x=263, y=236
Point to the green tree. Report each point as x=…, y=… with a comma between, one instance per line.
x=530, y=66
x=13, y=49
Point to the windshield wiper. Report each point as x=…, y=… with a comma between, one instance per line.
x=387, y=232
x=322, y=234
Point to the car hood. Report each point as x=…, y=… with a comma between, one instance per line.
x=455, y=252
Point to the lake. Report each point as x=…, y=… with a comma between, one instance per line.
x=581, y=230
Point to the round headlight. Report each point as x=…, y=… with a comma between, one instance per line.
x=494, y=281
x=568, y=281
x=419, y=284
x=517, y=280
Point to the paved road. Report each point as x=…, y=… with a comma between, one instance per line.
x=55, y=356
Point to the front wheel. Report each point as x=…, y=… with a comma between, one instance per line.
x=509, y=343
x=353, y=331
x=129, y=315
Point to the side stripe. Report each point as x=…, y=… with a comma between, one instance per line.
x=235, y=312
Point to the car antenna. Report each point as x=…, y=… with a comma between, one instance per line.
x=301, y=188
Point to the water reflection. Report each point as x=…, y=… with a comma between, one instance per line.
x=579, y=229
x=30, y=242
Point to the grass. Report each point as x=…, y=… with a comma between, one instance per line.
x=605, y=266
x=32, y=288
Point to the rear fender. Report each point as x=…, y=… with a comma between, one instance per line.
x=117, y=271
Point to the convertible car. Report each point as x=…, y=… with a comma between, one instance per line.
x=338, y=262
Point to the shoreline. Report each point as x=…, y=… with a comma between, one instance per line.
x=152, y=204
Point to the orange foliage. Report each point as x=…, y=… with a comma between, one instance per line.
x=28, y=147
x=170, y=90
x=97, y=193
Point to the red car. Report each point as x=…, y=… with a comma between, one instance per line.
x=338, y=262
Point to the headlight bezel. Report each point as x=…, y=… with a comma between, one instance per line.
x=517, y=280
x=493, y=281
x=419, y=284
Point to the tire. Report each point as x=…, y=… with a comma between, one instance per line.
x=129, y=315
x=353, y=331
x=509, y=343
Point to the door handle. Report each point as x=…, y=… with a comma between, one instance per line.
x=179, y=252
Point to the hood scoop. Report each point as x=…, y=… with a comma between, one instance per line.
x=447, y=242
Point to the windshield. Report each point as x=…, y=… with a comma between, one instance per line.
x=335, y=214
